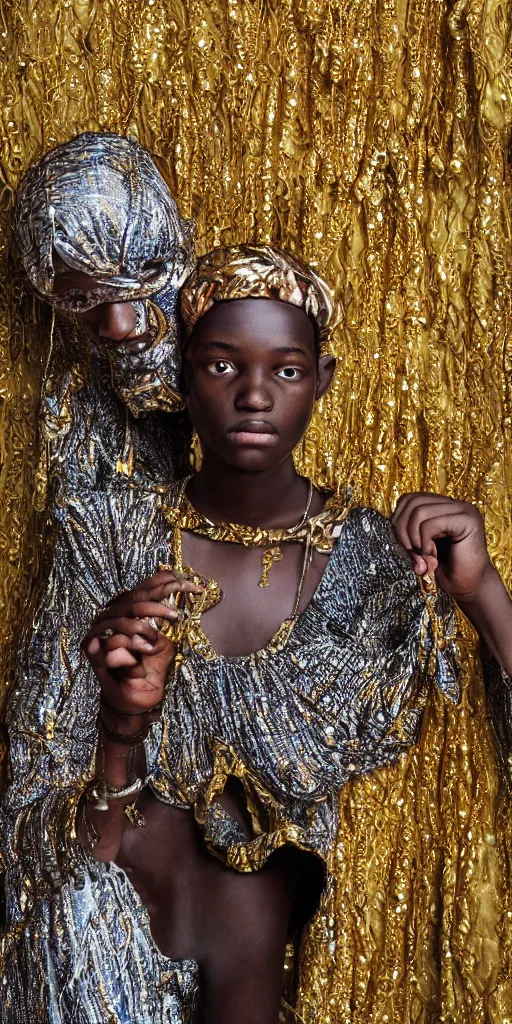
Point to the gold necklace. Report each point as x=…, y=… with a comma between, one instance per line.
x=318, y=533
x=274, y=554
x=184, y=515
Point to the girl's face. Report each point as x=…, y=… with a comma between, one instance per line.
x=251, y=378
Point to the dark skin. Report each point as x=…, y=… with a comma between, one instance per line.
x=111, y=323
x=251, y=366
x=197, y=907
x=251, y=376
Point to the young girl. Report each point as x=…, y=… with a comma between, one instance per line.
x=281, y=644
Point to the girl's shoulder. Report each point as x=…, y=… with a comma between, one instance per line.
x=367, y=568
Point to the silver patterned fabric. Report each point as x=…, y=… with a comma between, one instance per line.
x=90, y=437
x=100, y=205
x=342, y=696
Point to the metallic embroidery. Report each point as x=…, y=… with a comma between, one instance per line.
x=341, y=694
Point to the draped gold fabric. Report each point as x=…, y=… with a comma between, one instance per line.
x=372, y=137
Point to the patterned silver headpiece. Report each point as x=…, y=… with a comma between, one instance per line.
x=99, y=203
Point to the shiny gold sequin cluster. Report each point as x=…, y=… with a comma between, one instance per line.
x=371, y=138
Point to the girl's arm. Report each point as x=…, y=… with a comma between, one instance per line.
x=447, y=538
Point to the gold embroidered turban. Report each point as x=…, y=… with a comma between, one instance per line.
x=259, y=272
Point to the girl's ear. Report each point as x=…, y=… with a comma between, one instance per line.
x=326, y=368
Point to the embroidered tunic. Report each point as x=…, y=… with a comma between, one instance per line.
x=340, y=695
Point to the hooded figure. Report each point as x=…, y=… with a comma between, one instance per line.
x=103, y=242
x=96, y=210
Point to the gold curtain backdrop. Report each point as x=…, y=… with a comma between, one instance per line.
x=371, y=136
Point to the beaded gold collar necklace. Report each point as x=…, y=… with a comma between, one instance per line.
x=319, y=532
x=250, y=536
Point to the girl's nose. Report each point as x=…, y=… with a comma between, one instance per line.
x=254, y=394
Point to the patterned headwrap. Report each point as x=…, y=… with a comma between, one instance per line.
x=100, y=203
x=254, y=271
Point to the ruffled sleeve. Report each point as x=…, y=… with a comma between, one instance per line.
x=71, y=925
x=52, y=712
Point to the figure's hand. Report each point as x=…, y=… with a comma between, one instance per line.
x=129, y=657
x=446, y=538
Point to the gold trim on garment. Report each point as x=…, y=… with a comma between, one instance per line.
x=320, y=532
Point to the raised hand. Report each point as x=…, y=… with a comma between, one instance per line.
x=129, y=656
x=446, y=538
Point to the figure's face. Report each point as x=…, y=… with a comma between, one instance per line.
x=252, y=377
x=132, y=325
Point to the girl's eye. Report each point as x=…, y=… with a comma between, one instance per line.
x=220, y=368
x=289, y=373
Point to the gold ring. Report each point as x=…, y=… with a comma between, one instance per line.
x=106, y=634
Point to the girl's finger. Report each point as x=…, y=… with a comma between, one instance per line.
x=408, y=527
x=133, y=643
x=137, y=609
x=407, y=502
x=166, y=589
x=148, y=591
x=127, y=626
x=423, y=565
x=116, y=658
x=119, y=658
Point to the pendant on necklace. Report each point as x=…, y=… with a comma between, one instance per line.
x=268, y=558
x=134, y=816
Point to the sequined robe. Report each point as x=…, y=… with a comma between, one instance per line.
x=102, y=423
x=102, y=431
x=344, y=695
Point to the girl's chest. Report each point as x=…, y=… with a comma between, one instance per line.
x=259, y=590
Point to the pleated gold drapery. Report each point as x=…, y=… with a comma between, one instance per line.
x=372, y=137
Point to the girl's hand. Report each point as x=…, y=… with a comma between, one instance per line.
x=446, y=538
x=129, y=657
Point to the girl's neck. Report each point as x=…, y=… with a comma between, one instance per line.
x=270, y=499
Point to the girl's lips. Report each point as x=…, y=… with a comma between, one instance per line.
x=254, y=438
x=254, y=432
